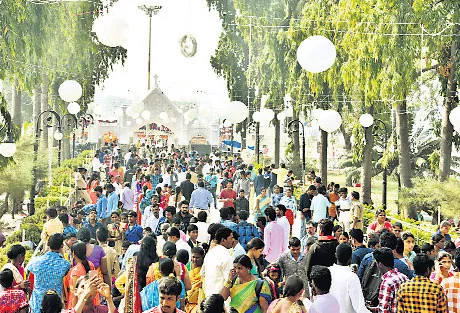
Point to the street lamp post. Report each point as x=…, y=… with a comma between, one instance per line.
x=254, y=127
x=150, y=10
x=69, y=122
x=226, y=123
x=367, y=120
x=47, y=122
x=293, y=127
x=7, y=148
x=84, y=120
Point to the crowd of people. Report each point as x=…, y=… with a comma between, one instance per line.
x=171, y=231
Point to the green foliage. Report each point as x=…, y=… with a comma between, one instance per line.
x=428, y=195
x=4, y=250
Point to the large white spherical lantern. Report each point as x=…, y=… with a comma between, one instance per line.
x=239, y=112
x=7, y=149
x=366, y=120
x=128, y=123
x=256, y=116
x=330, y=121
x=454, y=117
x=58, y=135
x=111, y=30
x=73, y=108
x=146, y=115
x=316, y=54
x=266, y=115
x=70, y=91
x=138, y=107
x=163, y=116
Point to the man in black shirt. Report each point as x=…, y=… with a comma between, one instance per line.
x=304, y=205
x=184, y=215
x=187, y=187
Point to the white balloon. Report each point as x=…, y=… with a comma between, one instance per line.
x=70, y=91
x=128, y=123
x=330, y=121
x=111, y=30
x=239, y=112
x=73, y=108
x=146, y=115
x=163, y=116
x=138, y=107
x=454, y=117
x=7, y=149
x=256, y=116
x=366, y=120
x=58, y=135
x=266, y=115
x=316, y=54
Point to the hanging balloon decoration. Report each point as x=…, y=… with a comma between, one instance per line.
x=111, y=31
x=316, y=54
x=70, y=91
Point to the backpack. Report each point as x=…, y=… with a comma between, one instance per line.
x=370, y=283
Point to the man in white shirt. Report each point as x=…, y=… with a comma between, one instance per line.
x=127, y=197
x=148, y=211
x=218, y=263
x=319, y=205
x=345, y=284
x=203, y=235
x=154, y=219
x=344, y=206
x=323, y=300
x=283, y=222
x=237, y=247
x=96, y=164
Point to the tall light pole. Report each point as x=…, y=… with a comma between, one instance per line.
x=254, y=128
x=150, y=10
x=47, y=122
x=69, y=122
x=293, y=127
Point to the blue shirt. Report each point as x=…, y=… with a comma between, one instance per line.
x=134, y=233
x=399, y=265
x=101, y=207
x=212, y=180
x=150, y=296
x=246, y=231
x=359, y=253
x=201, y=199
x=155, y=180
x=92, y=229
x=49, y=271
x=69, y=229
x=112, y=203
x=446, y=236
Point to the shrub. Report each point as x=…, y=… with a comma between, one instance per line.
x=429, y=194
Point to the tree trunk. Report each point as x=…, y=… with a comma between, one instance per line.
x=67, y=146
x=243, y=135
x=276, y=123
x=447, y=127
x=402, y=125
x=17, y=104
x=323, y=157
x=44, y=107
x=366, y=172
x=346, y=138
x=37, y=104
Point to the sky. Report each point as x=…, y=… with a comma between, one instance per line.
x=181, y=78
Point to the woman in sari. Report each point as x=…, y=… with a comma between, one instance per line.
x=134, y=279
x=291, y=303
x=195, y=294
x=82, y=267
x=150, y=295
x=12, y=300
x=16, y=255
x=115, y=232
x=241, y=287
x=262, y=202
